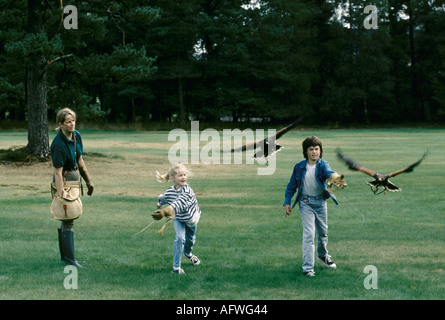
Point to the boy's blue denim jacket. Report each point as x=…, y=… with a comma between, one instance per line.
x=322, y=171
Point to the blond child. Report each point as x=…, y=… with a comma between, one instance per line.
x=183, y=206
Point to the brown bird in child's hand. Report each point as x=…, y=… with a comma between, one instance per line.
x=381, y=180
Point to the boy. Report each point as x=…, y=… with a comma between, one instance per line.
x=309, y=177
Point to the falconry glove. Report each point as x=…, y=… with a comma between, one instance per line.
x=86, y=176
x=337, y=180
x=168, y=212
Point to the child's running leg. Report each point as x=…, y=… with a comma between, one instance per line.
x=178, y=245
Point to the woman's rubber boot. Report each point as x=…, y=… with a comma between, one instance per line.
x=68, y=248
x=59, y=233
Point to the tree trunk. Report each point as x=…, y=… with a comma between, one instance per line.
x=38, y=141
x=36, y=91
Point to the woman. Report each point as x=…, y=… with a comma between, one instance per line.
x=66, y=154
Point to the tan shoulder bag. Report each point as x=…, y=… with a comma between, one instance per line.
x=69, y=206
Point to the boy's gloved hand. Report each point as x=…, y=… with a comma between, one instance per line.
x=337, y=180
x=168, y=212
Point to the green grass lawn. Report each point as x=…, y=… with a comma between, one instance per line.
x=248, y=249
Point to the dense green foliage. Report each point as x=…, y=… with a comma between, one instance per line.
x=171, y=60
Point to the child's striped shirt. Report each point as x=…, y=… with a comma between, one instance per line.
x=183, y=202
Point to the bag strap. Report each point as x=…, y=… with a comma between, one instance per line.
x=75, y=146
x=75, y=151
x=75, y=159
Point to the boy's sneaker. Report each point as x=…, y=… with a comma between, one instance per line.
x=328, y=262
x=178, y=271
x=309, y=273
x=193, y=259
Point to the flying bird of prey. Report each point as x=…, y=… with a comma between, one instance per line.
x=267, y=147
x=381, y=180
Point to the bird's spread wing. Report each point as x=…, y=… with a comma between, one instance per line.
x=271, y=139
x=354, y=165
x=409, y=168
x=286, y=129
x=250, y=146
x=267, y=151
x=392, y=187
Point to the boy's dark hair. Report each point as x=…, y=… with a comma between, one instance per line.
x=312, y=141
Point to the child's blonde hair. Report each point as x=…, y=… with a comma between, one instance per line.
x=171, y=173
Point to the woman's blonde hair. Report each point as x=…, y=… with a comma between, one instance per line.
x=171, y=173
x=61, y=115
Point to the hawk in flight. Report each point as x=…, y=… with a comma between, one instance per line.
x=267, y=147
x=380, y=180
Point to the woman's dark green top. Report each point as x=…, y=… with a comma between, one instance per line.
x=62, y=151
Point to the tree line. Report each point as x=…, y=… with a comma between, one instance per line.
x=222, y=60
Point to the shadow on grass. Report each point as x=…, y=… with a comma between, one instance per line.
x=18, y=156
